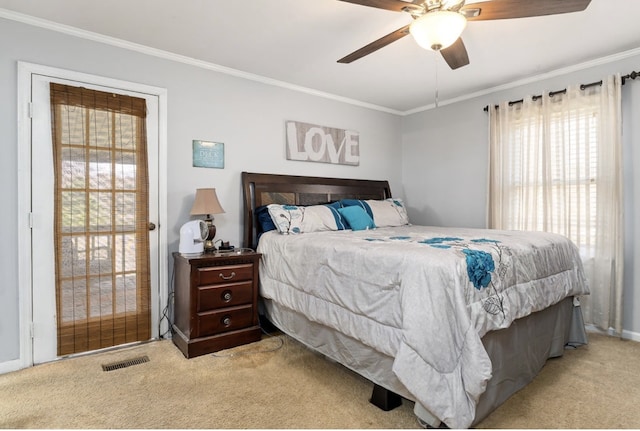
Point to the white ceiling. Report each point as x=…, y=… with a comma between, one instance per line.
x=298, y=42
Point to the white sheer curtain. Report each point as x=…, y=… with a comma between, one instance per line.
x=555, y=165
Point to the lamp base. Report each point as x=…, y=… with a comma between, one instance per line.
x=209, y=245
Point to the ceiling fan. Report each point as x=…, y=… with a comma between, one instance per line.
x=438, y=24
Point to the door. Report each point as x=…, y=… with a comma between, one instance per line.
x=92, y=296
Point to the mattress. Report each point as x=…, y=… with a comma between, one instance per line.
x=424, y=297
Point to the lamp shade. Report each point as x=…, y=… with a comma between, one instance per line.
x=438, y=30
x=206, y=202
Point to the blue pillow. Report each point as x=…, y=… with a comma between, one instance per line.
x=340, y=221
x=359, y=203
x=357, y=218
x=264, y=219
x=335, y=205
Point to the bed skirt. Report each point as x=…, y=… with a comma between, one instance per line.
x=517, y=353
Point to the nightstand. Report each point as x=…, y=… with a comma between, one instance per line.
x=215, y=301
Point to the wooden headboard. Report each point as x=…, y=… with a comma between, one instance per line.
x=265, y=189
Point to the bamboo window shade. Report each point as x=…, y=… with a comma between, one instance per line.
x=101, y=219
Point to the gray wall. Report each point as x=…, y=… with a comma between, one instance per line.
x=435, y=160
x=445, y=161
x=247, y=116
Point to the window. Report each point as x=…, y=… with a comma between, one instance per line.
x=555, y=165
x=553, y=187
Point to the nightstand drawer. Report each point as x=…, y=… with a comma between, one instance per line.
x=225, y=274
x=224, y=295
x=227, y=319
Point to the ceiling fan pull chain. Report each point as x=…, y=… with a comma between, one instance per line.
x=435, y=57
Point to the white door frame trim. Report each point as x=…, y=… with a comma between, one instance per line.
x=25, y=251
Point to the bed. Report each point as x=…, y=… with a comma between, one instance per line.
x=455, y=320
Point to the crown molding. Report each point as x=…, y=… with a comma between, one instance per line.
x=167, y=55
x=529, y=80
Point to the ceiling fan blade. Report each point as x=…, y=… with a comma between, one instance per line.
x=395, y=5
x=455, y=55
x=376, y=45
x=504, y=9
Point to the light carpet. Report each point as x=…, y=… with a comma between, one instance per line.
x=278, y=383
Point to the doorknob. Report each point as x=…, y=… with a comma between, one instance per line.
x=152, y=226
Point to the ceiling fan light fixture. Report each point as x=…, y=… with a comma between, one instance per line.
x=438, y=30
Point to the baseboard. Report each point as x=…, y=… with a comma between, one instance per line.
x=630, y=335
x=13, y=365
x=626, y=335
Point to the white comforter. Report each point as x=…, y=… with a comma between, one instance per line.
x=423, y=295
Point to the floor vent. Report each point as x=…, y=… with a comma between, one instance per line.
x=124, y=364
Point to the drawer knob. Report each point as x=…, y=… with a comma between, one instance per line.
x=229, y=277
x=226, y=296
x=226, y=321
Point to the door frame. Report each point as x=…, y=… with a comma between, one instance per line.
x=25, y=251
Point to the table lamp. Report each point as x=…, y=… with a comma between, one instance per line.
x=207, y=204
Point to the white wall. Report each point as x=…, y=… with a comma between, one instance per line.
x=247, y=116
x=445, y=160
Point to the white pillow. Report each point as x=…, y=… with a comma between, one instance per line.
x=388, y=212
x=293, y=219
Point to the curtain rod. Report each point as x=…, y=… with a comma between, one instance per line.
x=632, y=75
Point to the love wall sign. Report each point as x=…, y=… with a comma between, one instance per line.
x=312, y=143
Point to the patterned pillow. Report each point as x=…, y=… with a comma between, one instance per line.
x=388, y=212
x=293, y=219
